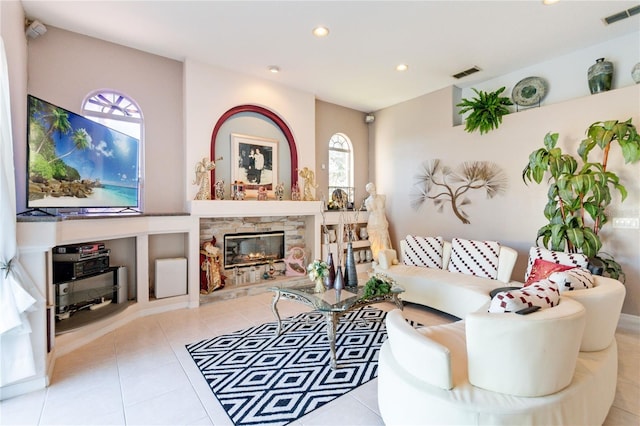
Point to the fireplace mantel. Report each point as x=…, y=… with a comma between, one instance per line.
x=245, y=208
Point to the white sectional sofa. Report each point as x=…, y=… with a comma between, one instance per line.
x=451, y=292
x=556, y=366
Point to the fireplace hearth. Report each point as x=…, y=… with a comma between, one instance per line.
x=253, y=248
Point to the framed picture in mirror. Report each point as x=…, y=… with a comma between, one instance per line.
x=254, y=162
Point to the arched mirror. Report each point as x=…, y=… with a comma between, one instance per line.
x=250, y=126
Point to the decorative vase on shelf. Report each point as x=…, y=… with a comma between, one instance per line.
x=350, y=272
x=369, y=255
x=600, y=75
x=635, y=73
x=363, y=233
x=331, y=277
x=332, y=235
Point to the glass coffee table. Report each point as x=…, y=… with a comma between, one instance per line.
x=331, y=304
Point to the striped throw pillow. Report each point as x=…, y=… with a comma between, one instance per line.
x=479, y=258
x=423, y=251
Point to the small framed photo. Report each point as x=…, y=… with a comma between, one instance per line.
x=254, y=162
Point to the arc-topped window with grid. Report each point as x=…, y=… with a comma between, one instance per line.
x=119, y=112
x=341, y=165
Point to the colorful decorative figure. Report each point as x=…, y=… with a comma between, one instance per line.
x=219, y=187
x=237, y=190
x=211, y=273
x=279, y=192
x=295, y=192
x=377, y=225
x=262, y=193
x=309, y=184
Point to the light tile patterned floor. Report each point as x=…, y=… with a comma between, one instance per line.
x=141, y=374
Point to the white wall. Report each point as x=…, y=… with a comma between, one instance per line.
x=210, y=91
x=15, y=43
x=411, y=132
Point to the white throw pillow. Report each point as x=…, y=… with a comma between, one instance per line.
x=479, y=258
x=423, y=251
x=576, y=260
x=543, y=293
x=573, y=279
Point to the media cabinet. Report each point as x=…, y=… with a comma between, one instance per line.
x=135, y=241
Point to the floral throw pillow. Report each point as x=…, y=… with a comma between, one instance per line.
x=423, y=251
x=542, y=269
x=575, y=260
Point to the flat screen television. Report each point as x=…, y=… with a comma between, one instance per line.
x=76, y=163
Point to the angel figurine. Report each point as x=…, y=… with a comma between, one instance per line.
x=309, y=183
x=202, y=178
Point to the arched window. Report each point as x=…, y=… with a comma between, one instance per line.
x=121, y=113
x=341, y=165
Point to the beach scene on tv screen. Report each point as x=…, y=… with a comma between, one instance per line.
x=75, y=162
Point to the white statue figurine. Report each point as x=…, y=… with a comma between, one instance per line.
x=377, y=225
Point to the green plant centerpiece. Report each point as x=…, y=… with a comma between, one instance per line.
x=378, y=285
x=578, y=195
x=486, y=110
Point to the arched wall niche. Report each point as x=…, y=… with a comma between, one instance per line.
x=277, y=120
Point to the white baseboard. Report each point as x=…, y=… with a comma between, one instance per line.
x=629, y=322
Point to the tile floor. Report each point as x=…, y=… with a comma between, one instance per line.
x=141, y=374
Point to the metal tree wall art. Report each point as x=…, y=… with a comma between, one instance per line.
x=447, y=186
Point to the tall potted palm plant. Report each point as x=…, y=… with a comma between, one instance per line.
x=578, y=195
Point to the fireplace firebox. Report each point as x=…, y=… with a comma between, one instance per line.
x=253, y=248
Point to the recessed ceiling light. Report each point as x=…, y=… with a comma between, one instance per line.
x=321, y=31
x=548, y=2
x=402, y=67
x=274, y=69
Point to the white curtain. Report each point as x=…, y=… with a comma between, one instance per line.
x=18, y=294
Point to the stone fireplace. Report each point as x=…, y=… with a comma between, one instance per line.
x=299, y=221
x=245, y=241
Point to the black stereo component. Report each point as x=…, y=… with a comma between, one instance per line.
x=65, y=271
x=84, y=248
x=76, y=257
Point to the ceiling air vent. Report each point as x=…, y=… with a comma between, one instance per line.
x=466, y=72
x=622, y=15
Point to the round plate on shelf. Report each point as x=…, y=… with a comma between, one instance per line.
x=529, y=91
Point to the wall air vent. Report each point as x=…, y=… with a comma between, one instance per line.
x=465, y=73
x=621, y=15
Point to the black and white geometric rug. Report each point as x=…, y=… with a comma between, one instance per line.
x=261, y=378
